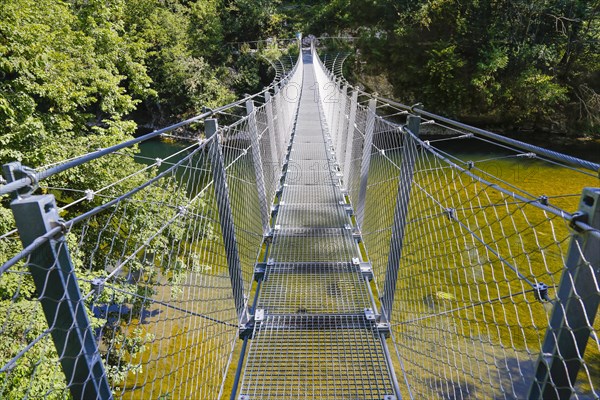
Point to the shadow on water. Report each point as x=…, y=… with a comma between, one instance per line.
x=113, y=313
x=514, y=375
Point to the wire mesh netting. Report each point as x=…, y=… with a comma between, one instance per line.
x=134, y=281
x=136, y=269
x=481, y=244
x=143, y=263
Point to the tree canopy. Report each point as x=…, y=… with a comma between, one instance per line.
x=529, y=64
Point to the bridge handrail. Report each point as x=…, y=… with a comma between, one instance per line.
x=417, y=110
x=169, y=236
x=551, y=154
x=34, y=177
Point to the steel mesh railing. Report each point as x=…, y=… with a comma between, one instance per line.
x=137, y=287
x=478, y=264
x=143, y=264
x=135, y=275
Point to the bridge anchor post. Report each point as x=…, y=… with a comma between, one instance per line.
x=226, y=218
x=405, y=180
x=366, y=161
x=59, y=293
x=575, y=309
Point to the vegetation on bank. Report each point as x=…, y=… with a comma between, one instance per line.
x=517, y=64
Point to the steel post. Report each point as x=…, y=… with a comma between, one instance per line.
x=366, y=161
x=341, y=124
x=258, y=167
x=334, y=110
x=407, y=168
x=279, y=120
x=575, y=309
x=276, y=153
x=350, y=138
x=226, y=217
x=60, y=296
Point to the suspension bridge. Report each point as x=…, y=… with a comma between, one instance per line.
x=308, y=241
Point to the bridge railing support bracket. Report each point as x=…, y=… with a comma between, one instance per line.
x=226, y=217
x=248, y=323
x=260, y=269
x=405, y=181
x=366, y=269
x=63, y=305
x=575, y=309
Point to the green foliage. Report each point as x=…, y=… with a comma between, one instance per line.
x=37, y=374
x=530, y=62
x=182, y=41
x=248, y=20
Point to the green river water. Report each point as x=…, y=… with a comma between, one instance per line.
x=436, y=278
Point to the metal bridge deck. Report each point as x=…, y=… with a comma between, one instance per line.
x=315, y=340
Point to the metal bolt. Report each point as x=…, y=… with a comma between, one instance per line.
x=540, y=291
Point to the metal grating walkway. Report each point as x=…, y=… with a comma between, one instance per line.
x=314, y=334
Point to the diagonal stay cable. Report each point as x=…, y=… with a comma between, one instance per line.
x=165, y=304
x=67, y=225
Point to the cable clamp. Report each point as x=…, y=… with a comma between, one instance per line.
x=31, y=174
x=528, y=155
x=417, y=105
x=540, y=291
x=576, y=217
x=97, y=286
x=89, y=194
x=182, y=210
